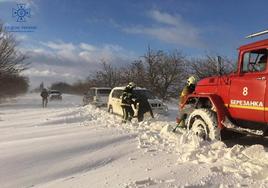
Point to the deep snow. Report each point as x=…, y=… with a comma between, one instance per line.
x=67, y=145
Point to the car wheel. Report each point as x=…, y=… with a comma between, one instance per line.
x=203, y=123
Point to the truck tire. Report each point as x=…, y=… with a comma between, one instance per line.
x=203, y=122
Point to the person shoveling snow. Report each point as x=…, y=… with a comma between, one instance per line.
x=188, y=89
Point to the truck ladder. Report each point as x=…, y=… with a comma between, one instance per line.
x=257, y=34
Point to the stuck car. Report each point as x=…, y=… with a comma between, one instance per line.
x=114, y=101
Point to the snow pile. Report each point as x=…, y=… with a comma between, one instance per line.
x=88, y=147
x=154, y=134
x=238, y=160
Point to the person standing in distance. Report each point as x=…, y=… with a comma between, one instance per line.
x=44, y=95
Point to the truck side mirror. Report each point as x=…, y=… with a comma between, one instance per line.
x=219, y=66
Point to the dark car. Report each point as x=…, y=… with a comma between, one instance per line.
x=55, y=95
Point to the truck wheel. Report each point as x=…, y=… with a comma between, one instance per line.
x=110, y=109
x=203, y=123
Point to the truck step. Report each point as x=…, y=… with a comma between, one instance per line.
x=232, y=127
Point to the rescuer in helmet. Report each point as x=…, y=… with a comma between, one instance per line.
x=126, y=102
x=143, y=106
x=188, y=89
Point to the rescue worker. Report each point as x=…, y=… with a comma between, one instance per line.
x=44, y=95
x=126, y=102
x=143, y=106
x=188, y=89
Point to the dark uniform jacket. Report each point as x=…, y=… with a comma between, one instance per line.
x=144, y=105
x=44, y=94
x=127, y=97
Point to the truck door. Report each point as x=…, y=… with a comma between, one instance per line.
x=247, y=90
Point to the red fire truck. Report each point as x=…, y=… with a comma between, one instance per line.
x=236, y=102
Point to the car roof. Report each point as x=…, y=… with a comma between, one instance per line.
x=100, y=88
x=123, y=87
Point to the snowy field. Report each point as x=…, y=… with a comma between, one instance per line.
x=67, y=145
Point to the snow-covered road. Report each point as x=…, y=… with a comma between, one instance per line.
x=67, y=145
x=40, y=145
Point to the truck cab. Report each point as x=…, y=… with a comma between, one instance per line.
x=239, y=101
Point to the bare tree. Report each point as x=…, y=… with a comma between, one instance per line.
x=158, y=71
x=108, y=76
x=62, y=87
x=135, y=72
x=165, y=72
x=173, y=73
x=11, y=60
x=208, y=66
x=11, y=65
x=152, y=61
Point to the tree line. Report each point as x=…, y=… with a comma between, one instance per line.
x=12, y=63
x=164, y=73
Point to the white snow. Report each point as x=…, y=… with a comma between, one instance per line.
x=67, y=145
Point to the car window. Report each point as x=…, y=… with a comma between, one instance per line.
x=55, y=92
x=254, y=61
x=104, y=91
x=91, y=92
x=117, y=93
x=145, y=92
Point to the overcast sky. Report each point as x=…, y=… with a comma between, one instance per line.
x=72, y=37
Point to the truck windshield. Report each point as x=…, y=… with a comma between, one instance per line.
x=255, y=61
